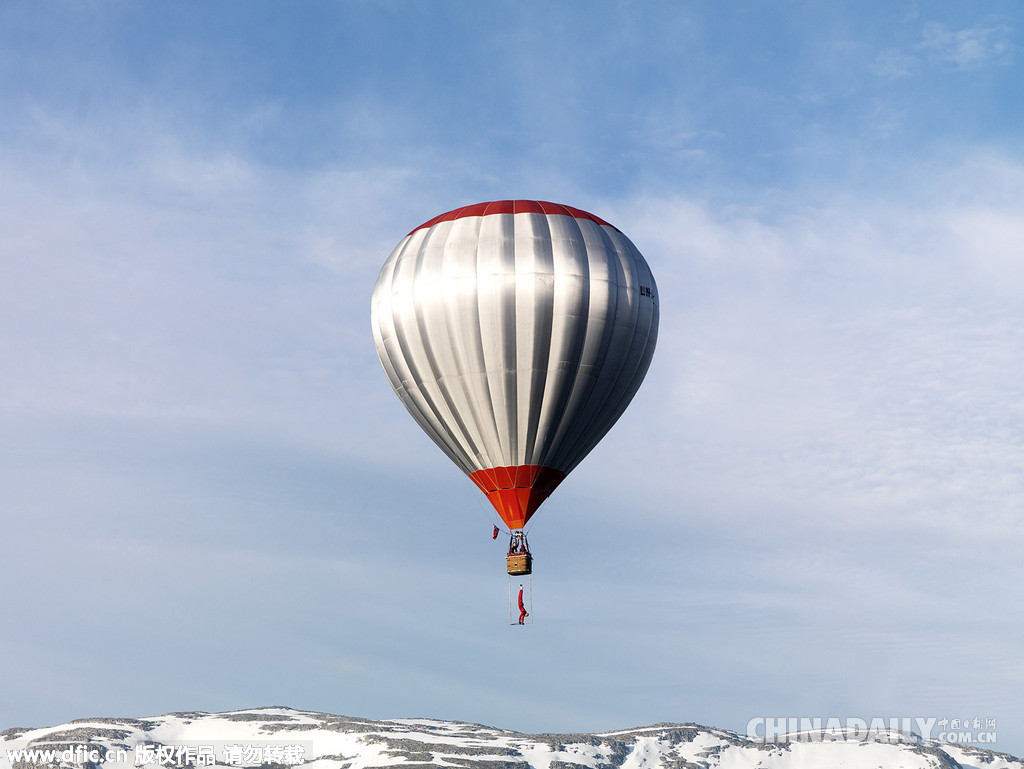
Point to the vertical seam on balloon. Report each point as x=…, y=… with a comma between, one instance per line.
x=480, y=345
x=419, y=398
x=614, y=404
x=583, y=427
x=584, y=412
x=388, y=288
x=524, y=443
x=510, y=367
x=644, y=357
x=538, y=454
x=599, y=420
x=568, y=387
x=428, y=353
x=473, y=418
x=468, y=444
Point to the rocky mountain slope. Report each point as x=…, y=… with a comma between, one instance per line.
x=275, y=738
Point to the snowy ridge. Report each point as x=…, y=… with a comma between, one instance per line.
x=277, y=737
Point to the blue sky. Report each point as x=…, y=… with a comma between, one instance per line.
x=212, y=499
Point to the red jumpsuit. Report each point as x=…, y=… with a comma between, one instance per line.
x=523, y=614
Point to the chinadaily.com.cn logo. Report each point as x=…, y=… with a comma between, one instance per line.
x=965, y=731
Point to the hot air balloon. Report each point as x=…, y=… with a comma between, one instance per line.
x=515, y=332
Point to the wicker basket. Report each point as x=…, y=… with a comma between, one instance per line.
x=520, y=564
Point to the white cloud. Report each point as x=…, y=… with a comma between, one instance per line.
x=988, y=42
x=846, y=365
x=895, y=64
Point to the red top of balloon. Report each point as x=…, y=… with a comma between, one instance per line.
x=513, y=207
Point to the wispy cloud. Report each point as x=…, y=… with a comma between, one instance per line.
x=988, y=42
x=856, y=355
x=895, y=64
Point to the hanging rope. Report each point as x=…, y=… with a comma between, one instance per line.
x=488, y=510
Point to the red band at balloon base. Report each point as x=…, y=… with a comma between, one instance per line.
x=516, y=492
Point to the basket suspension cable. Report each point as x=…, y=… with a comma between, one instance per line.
x=487, y=510
x=520, y=562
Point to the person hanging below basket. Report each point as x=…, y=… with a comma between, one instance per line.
x=523, y=614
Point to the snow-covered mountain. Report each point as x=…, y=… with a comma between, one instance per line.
x=274, y=738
